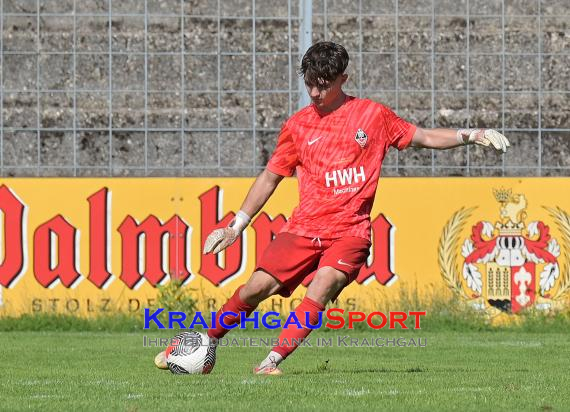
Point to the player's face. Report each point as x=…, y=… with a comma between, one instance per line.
x=327, y=96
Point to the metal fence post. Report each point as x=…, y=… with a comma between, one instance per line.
x=305, y=41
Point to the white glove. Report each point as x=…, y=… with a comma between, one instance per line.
x=483, y=137
x=220, y=239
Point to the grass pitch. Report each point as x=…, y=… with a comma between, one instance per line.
x=456, y=371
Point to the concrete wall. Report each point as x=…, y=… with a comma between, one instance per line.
x=171, y=87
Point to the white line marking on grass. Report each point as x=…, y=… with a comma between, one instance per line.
x=530, y=344
x=353, y=392
x=361, y=392
x=105, y=382
x=134, y=395
x=464, y=389
x=46, y=396
x=45, y=382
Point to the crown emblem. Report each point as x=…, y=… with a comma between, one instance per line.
x=512, y=212
x=502, y=195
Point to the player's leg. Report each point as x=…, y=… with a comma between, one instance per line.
x=285, y=263
x=246, y=298
x=274, y=274
x=339, y=266
x=327, y=283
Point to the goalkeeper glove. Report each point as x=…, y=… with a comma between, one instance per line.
x=483, y=137
x=220, y=239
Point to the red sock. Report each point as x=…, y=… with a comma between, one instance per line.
x=234, y=304
x=290, y=337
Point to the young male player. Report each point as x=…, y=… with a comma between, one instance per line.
x=336, y=146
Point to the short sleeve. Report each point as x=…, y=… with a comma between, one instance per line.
x=399, y=132
x=284, y=159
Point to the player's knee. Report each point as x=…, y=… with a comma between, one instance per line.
x=330, y=277
x=326, y=283
x=259, y=287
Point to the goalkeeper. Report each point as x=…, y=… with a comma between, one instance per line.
x=335, y=146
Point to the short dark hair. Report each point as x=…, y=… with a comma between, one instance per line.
x=323, y=62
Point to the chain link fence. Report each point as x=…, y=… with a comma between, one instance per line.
x=201, y=87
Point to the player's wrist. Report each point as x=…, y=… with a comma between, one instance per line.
x=240, y=221
x=467, y=136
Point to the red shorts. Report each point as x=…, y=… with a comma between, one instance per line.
x=290, y=258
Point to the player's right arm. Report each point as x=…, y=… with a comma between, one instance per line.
x=258, y=194
x=281, y=164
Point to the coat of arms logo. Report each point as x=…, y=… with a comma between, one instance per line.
x=510, y=265
x=361, y=138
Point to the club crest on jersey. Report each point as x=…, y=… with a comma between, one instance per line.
x=361, y=138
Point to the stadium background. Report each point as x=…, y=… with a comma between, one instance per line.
x=200, y=88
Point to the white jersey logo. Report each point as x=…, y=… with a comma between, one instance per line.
x=310, y=142
x=345, y=176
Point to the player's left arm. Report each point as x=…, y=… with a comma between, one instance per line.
x=449, y=138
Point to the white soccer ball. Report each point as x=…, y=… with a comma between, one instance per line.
x=191, y=353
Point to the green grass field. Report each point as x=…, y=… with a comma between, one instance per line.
x=503, y=370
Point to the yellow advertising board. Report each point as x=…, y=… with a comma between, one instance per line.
x=91, y=246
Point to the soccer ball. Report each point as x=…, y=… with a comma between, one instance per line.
x=190, y=353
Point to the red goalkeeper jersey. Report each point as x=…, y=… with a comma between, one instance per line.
x=338, y=158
